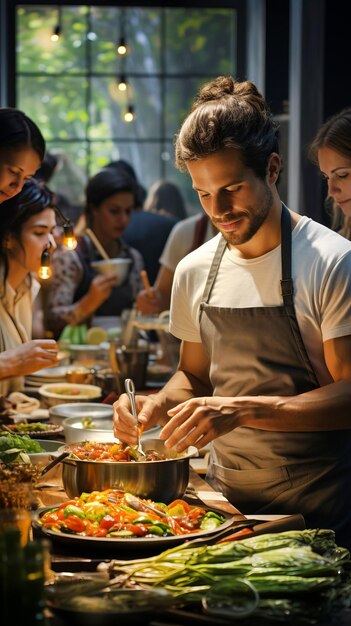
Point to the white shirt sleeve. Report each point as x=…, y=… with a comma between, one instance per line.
x=179, y=242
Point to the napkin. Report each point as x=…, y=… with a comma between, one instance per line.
x=23, y=403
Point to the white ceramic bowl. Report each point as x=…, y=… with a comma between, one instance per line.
x=50, y=451
x=113, y=267
x=59, y=393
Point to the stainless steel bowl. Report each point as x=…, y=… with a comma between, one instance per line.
x=162, y=481
x=50, y=450
x=95, y=410
x=100, y=429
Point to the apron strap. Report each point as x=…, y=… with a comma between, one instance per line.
x=287, y=290
x=286, y=283
x=212, y=274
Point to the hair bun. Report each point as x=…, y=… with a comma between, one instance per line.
x=226, y=86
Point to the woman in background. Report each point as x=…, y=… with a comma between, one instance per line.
x=331, y=151
x=22, y=149
x=75, y=292
x=164, y=197
x=26, y=226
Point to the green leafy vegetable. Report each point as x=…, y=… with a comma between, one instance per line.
x=23, y=442
x=296, y=574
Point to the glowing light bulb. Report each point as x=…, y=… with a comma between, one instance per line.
x=122, y=85
x=129, y=114
x=70, y=243
x=56, y=34
x=69, y=239
x=121, y=47
x=44, y=271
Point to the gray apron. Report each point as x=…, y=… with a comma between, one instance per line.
x=260, y=351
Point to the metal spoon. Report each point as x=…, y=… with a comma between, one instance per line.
x=134, y=502
x=130, y=389
x=54, y=462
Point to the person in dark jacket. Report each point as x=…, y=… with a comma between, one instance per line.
x=146, y=231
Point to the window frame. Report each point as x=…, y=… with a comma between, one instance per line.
x=9, y=63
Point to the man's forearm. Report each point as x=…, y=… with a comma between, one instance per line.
x=323, y=409
x=181, y=387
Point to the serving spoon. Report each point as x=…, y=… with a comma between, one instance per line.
x=130, y=389
x=54, y=462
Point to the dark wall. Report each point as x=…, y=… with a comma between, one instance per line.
x=277, y=54
x=337, y=57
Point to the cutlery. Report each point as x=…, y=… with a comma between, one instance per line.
x=135, y=503
x=52, y=464
x=130, y=389
x=97, y=244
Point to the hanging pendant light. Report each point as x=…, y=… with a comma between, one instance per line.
x=122, y=47
x=122, y=84
x=45, y=271
x=69, y=239
x=129, y=115
x=58, y=28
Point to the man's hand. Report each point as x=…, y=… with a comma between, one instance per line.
x=198, y=421
x=28, y=357
x=150, y=410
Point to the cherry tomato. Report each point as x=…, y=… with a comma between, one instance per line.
x=75, y=523
x=107, y=522
x=140, y=530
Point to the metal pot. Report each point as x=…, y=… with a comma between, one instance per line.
x=162, y=481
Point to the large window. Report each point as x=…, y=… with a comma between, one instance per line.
x=70, y=88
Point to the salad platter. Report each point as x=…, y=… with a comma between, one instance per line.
x=114, y=520
x=35, y=430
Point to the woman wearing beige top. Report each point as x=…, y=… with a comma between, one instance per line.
x=26, y=226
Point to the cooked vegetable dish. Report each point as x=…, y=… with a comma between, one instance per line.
x=117, y=514
x=111, y=452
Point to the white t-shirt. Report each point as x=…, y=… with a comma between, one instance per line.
x=180, y=241
x=321, y=271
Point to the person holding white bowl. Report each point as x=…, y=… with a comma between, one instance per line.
x=77, y=291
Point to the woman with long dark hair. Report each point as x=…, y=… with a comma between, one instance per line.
x=22, y=149
x=26, y=226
